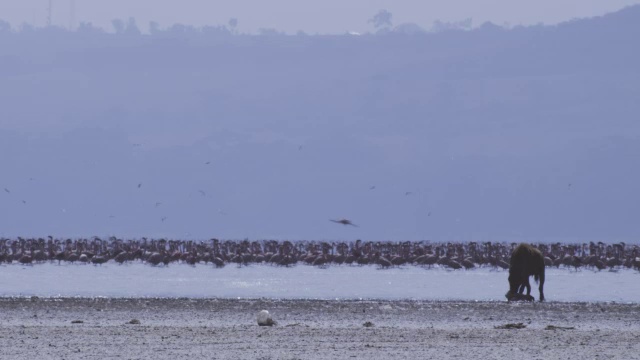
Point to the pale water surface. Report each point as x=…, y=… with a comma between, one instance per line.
x=336, y=282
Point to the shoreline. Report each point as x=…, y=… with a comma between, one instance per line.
x=35, y=298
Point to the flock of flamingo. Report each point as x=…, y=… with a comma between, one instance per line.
x=384, y=254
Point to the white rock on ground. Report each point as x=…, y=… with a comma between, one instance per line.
x=264, y=318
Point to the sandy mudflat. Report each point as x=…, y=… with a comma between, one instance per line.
x=314, y=329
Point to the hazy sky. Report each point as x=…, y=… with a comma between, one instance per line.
x=326, y=16
x=487, y=136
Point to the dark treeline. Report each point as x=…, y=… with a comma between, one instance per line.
x=570, y=47
x=487, y=134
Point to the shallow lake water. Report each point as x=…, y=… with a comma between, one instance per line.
x=306, y=282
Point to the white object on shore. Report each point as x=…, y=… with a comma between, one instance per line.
x=264, y=318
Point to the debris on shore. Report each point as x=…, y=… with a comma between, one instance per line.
x=511, y=326
x=554, y=327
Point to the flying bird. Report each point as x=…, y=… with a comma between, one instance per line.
x=408, y=193
x=158, y=204
x=207, y=163
x=372, y=187
x=24, y=201
x=139, y=185
x=202, y=192
x=163, y=218
x=344, y=222
x=7, y=190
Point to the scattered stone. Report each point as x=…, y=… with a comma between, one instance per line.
x=511, y=326
x=264, y=319
x=134, y=322
x=554, y=327
x=368, y=324
x=77, y=322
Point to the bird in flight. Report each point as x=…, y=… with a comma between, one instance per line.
x=24, y=201
x=407, y=193
x=158, y=204
x=372, y=187
x=163, y=218
x=344, y=222
x=207, y=163
x=139, y=185
x=202, y=192
x=7, y=190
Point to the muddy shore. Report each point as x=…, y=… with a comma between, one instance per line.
x=69, y=328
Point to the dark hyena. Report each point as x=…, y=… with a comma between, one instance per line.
x=525, y=261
